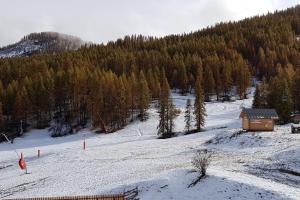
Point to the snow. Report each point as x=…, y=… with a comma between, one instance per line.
x=22, y=48
x=296, y=125
x=242, y=165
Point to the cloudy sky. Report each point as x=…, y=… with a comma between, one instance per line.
x=105, y=20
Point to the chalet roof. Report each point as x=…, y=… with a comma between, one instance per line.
x=295, y=114
x=296, y=125
x=258, y=113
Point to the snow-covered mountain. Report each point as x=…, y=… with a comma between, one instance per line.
x=44, y=42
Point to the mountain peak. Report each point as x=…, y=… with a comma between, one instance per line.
x=43, y=42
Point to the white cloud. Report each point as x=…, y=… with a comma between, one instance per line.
x=104, y=20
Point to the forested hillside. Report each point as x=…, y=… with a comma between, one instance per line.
x=111, y=84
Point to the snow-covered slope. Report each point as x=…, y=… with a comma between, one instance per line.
x=242, y=167
x=45, y=42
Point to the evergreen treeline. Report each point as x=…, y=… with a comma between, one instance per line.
x=282, y=92
x=109, y=84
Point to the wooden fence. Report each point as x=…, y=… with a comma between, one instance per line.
x=95, y=197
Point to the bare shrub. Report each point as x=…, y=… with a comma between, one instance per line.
x=201, y=161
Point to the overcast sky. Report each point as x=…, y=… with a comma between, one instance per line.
x=105, y=20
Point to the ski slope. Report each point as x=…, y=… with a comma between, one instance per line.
x=242, y=167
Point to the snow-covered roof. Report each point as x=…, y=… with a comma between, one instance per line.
x=296, y=125
x=295, y=115
x=259, y=113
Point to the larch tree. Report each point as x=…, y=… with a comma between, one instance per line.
x=134, y=93
x=188, y=118
x=209, y=82
x=95, y=100
x=296, y=91
x=150, y=81
x=21, y=106
x=183, y=79
x=227, y=77
x=144, y=96
x=10, y=98
x=229, y=54
x=199, y=106
x=120, y=103
x=243, y=78
x=261, y=66
x=2, y=91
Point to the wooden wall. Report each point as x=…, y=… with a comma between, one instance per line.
x=258, y=124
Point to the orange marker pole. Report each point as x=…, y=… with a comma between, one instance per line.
x=22, y=163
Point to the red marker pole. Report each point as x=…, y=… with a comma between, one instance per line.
x=39, y=153
x=22, y=163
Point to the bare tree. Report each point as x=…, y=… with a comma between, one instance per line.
x=200, y=162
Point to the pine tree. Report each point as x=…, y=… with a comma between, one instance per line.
x=284, y=107
x=144, y=97
x=257, y=102
x=163, y=105
x=172, y=113
x=167, y=112
x=279, y=98
x=188, y=115
x=199, y=107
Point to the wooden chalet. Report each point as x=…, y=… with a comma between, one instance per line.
x=258, y=119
